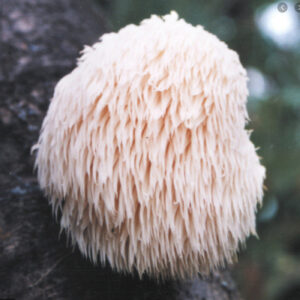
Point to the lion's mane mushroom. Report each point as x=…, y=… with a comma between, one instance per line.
x=145, y=153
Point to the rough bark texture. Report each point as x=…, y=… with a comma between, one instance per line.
x=40, y=40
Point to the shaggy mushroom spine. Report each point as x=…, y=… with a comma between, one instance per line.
x=145, y=153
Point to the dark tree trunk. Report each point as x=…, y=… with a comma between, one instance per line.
x=40, y=40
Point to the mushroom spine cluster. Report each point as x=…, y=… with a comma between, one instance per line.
x=145, y=153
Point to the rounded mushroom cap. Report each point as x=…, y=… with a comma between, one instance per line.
x=144, y=150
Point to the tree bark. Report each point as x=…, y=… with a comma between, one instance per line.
x=40, y=40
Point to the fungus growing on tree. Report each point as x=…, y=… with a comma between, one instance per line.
x=145, y=153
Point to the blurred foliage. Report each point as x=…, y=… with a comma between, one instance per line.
x=270, y=267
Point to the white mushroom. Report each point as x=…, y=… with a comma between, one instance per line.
x=145, y=152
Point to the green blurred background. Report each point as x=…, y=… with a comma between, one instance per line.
x=268, y=42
